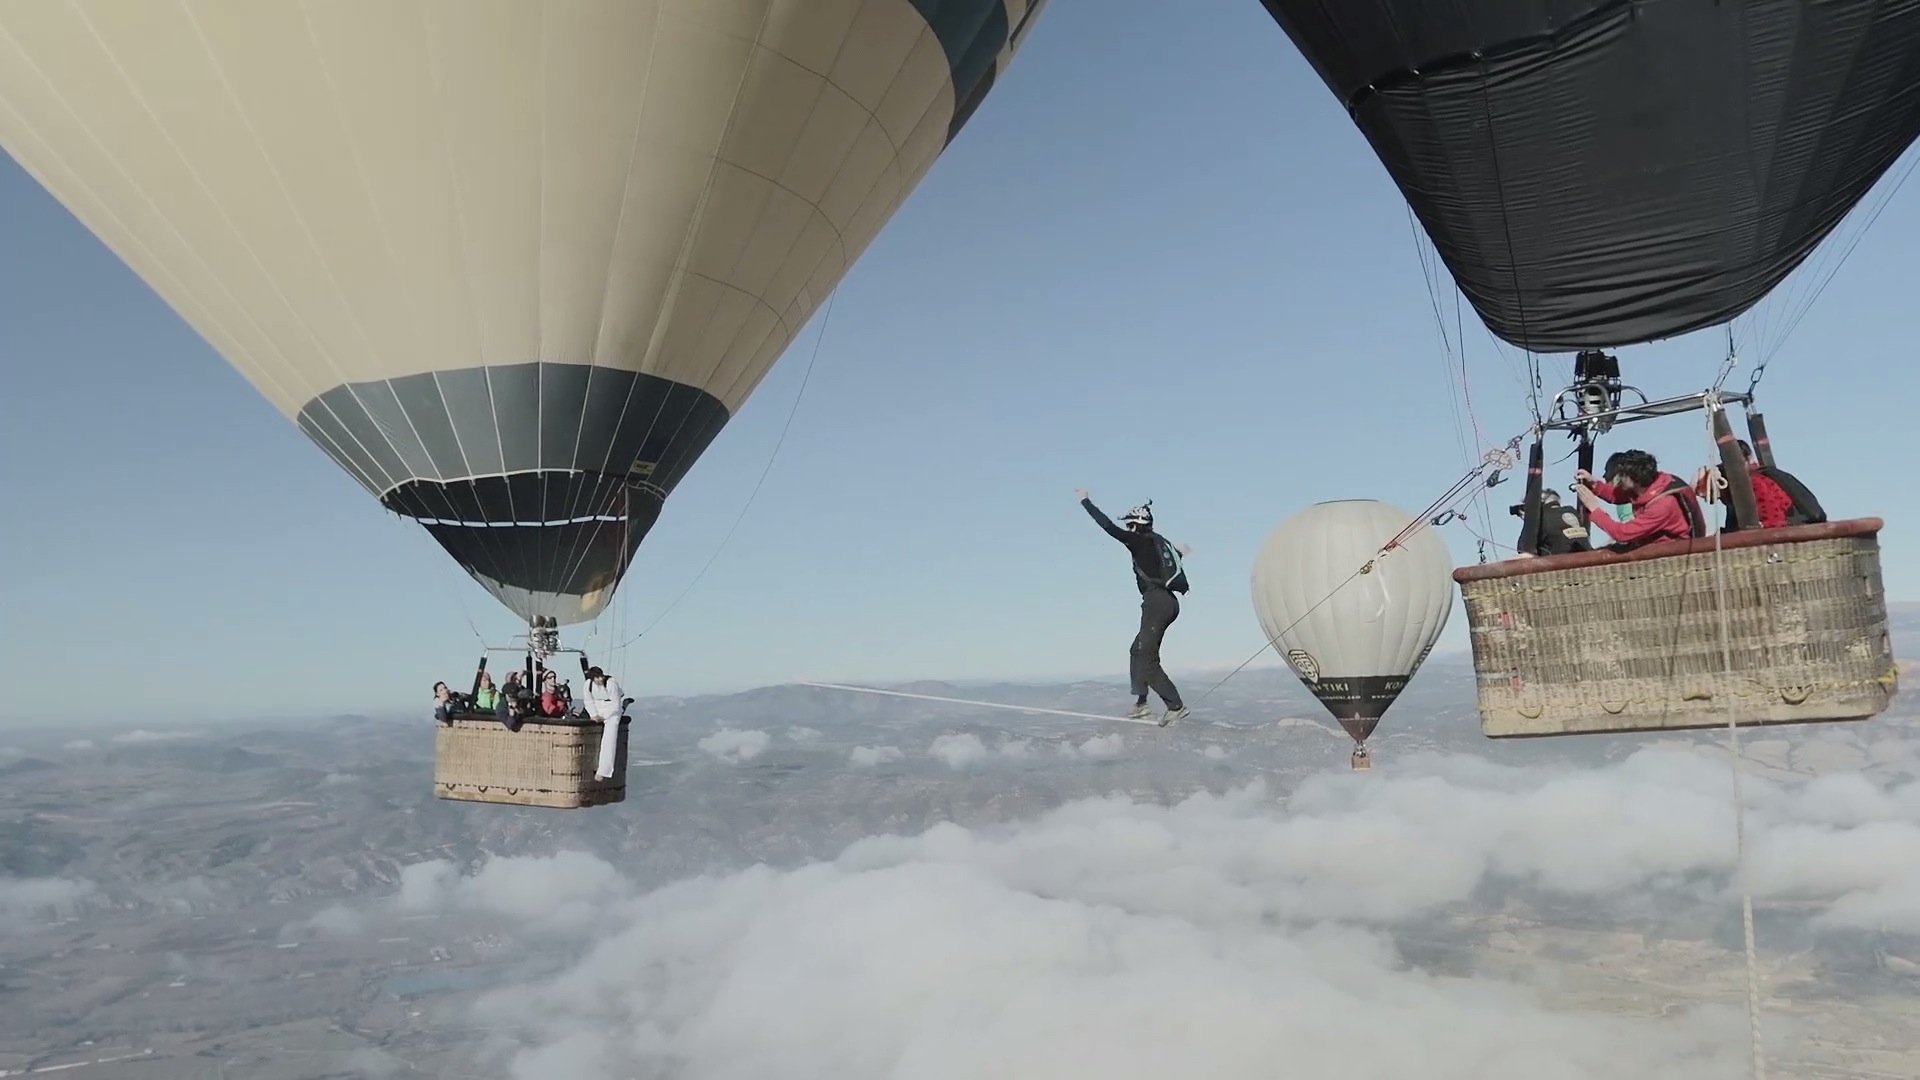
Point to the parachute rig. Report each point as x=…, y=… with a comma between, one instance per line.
x=549, y=761
x=1776, y=626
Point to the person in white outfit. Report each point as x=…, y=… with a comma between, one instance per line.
x=605, y=701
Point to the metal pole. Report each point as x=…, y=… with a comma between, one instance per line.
x=1586, y=464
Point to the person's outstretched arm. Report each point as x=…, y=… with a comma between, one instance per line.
x=1101, y=519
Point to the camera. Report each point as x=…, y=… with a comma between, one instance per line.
x=1518, y=510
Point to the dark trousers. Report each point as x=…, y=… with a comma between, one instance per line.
x=1158, y=609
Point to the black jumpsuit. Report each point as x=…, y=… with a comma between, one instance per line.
x=1158, y=608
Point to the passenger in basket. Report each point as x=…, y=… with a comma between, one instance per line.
x=487, y=698
x=516, y=702
x=1560, y=530
x=1664, y=507
x=551, y=703
x=1778, y=495
x=447, y=704
x=607, y=703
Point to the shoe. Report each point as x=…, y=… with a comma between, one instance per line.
x=1180, y=713
x=1140, y=712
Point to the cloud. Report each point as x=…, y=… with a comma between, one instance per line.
x=732, y=744
x=78, y=744
x=336, y=921
x=958, y=751
x=40, y=898
x=1842, y=838
x=1214, y=752
x=965, y=749
x=1102, y=746
x=333, y=778
x=868, y=756
x=567, y=890
x=141, y=735
x=803, y=734
x=1211, y=938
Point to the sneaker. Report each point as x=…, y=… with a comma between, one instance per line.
x=1180, y=713
x=1140, y=712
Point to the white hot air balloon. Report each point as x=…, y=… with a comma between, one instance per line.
x=1354, y=641
x=512, y=264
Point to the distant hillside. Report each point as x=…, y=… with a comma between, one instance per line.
x=1903, y=622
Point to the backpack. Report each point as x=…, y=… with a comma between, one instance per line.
x=1565, y=536
x=1170, y=562
x=1806, y=509
x=1681, y=490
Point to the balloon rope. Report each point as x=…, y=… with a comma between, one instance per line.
x=1758, y=1052
x=1289, y=629
x=825, y=318
x=971, y=701
x=1420, y=521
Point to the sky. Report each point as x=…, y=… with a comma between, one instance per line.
x=1159, y=262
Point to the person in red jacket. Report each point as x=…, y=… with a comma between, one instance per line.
x=1769, y=497
x=552, y=701
x=1664, y=507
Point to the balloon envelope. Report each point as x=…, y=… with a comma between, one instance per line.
x=1607, y=172
x=514, y=264
x=1354, y=643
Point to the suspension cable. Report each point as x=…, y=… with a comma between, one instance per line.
x=825, y=318
x=1793, y=321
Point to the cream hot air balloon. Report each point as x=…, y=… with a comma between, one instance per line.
x=1354, y=638
x=512, y=264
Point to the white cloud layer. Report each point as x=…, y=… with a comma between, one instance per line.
x=35, y=899
x=869, y=756
x=735, y=745
x=1223, y=937
x=967, y=749
x=142, y=735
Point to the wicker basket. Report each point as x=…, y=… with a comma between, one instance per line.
x=545, y=763
x=1604, y=642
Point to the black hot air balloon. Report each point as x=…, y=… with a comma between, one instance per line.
x=1599, y=173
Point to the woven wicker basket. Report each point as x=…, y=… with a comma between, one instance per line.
x=545, y=763
x=1603, y=642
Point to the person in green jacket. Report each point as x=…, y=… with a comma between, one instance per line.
x=486, y=699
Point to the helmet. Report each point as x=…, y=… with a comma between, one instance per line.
x=1140, y=517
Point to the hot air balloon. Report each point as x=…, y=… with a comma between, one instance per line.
x=1603, y=173
x=1354, y=600
x=512, y=265
x=1608, y=172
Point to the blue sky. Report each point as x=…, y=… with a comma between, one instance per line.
x=1160, y=262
